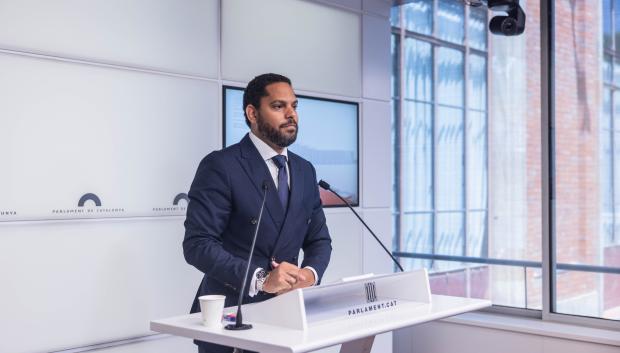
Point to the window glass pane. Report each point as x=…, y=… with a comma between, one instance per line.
x=395, y=51
x=607, y=69
x=395, y=16
x=450, y=24
x=470, y=280
x=607, y=31
x=506, y=283
x=478, y=28
x=418, y=16
x=417, y=157
x=611, y=286
x=591, y=286
x=615, y=162
x=395, y=110
x=514, y=163
x=396, y=164
x=476, y=234
x=477, y=82
x=449, y=159
x=606, y=160
x=617, y=24
x=476, y=160
x=450, y=239
x=510, y=288
x=586, y=159
x=417, y=237
x=617, y=71
x=419, y=70
x=450, y=76
x=474, y=192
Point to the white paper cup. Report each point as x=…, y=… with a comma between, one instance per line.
x=212, y=308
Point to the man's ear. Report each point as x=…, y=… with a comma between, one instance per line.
x=250, y=111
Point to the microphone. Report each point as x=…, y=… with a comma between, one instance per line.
x=239, y=325
x=327, y=187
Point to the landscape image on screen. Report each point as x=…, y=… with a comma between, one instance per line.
x=327, y=137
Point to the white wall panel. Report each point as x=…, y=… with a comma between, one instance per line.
x=346, y=233
x=377, y=154
x=375, y=259
x=350, y=4
x=68, y=284
x=558, y=345
x=167, y=344
x=317, y=46
x=161, y=34
x=431, y=338
x=376, y=57
x=378, y=7
x=133, y=139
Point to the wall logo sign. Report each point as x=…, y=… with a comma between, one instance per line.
x=83, y=207
x=92, y=197
x=176, y=206
x=179, y=197
x=371, y=292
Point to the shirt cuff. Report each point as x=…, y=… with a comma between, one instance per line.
x=253, y=291
x=316, y=276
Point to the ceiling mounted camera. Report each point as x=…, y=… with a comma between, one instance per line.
x=512, y=24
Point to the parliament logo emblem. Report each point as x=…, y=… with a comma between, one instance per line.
x=371, y=292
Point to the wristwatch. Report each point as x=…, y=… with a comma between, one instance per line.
x=261, y=277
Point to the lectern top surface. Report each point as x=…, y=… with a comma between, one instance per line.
x=276, y=339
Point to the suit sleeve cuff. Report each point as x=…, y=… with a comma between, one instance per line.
x=316, y=276
x=253, y=290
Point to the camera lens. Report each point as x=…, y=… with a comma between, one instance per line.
x=509, y=26
x=504, y=25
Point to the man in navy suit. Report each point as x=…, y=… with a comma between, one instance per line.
x=225, y=199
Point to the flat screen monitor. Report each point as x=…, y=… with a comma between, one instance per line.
x=327, y=137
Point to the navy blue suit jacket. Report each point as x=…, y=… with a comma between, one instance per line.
x=224, y=202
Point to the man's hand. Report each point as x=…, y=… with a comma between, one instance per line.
x=282, y=278
x=286, y=277
x=308, y=279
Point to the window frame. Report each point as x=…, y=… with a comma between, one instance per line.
x=548, y=263
x=436, y=43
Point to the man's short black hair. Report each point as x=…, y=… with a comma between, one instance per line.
x=256, y=90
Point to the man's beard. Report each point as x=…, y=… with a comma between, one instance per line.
x=274, y=135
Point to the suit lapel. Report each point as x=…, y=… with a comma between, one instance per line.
x=257, y=171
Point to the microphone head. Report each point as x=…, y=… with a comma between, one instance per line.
x=324, y=185
x=265, y=185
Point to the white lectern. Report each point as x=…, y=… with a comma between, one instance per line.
x=348, y=312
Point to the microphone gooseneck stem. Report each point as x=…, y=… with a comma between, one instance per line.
x=323, y=184
x=239, y=317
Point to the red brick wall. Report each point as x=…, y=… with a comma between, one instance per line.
x=577, y=104
x=611, y=281
x=534, y=143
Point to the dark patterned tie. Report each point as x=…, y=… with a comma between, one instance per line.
x=280, y=162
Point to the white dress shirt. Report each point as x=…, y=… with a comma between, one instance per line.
x=267, y=153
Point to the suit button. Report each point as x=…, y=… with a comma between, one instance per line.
x=309, y=220
x=253, y=221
